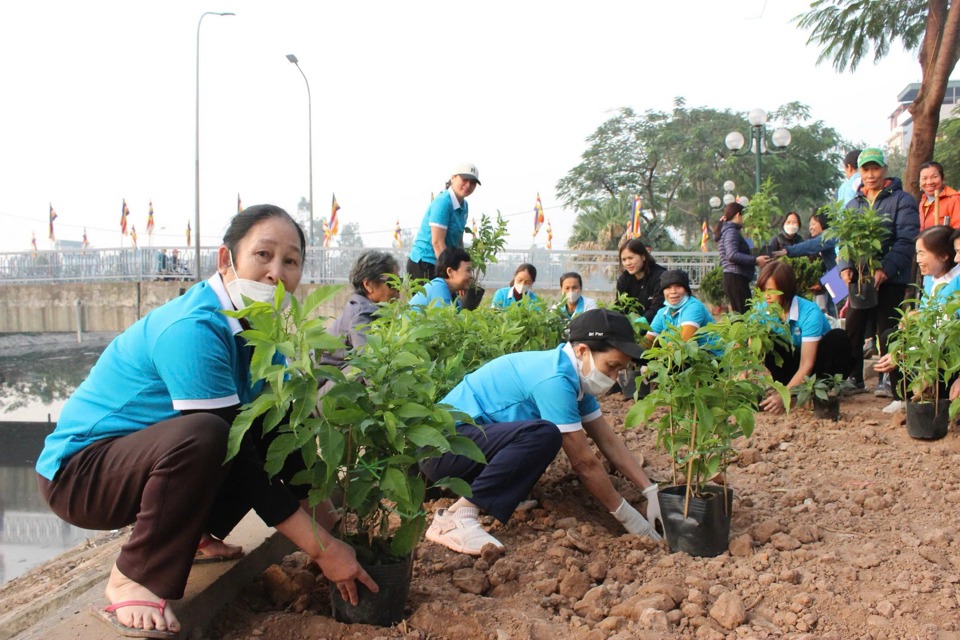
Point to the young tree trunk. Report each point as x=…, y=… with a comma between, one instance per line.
x=938, y=57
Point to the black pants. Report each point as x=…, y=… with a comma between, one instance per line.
x=517, y=454
x=737, y=289
x=423, y=270
x=833, y=357
x=889, y=297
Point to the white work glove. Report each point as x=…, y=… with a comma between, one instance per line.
x=653, y=506
x=633, y=522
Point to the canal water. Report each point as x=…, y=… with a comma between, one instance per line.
x=37, y=375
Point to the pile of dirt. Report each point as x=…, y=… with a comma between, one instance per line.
x=840, y=530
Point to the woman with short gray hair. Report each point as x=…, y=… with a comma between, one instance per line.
x=370, y=279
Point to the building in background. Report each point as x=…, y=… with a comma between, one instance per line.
x=901, y=122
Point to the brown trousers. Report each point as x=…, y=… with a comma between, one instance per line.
x=162, y=479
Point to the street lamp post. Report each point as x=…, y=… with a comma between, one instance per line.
x=196, y=217
x=758, y=144
x=292, y=58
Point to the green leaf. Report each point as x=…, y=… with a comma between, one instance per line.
x=411, y=410
x=426, y=436
x=281, y=447
x=457, y=485
x=394, y=485
x=464, y=446
x=407, y=536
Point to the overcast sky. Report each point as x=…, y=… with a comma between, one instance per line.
x=99, y=98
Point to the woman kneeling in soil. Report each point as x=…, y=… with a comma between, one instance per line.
x=938, y=253
x=816, y=348
x=143, y=440
x=527, y=407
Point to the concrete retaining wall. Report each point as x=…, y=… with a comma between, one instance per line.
x=114, y=306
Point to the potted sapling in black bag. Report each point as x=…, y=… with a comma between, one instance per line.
x=860, y=234
x=822, y=393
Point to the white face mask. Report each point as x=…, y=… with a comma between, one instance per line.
x=240, y=288
x=573, y=297
x=791, y=229
x=595, y=383
x=519, y=288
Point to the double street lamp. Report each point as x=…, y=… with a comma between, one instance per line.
x=293, y=59
x=758, y=145
x=196, y=219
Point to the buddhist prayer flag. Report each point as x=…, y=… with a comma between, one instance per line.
x=703, y=237
x=123, y=218
x=133, y=235
x=239, y=204
x=150, y=220
x=333, y=226
x=633, y=228
x=53, y=216
x=188, y=233
x=33, y=243
x=85, y=243
x=396, y=235
x=549, y=235
x=537, y=216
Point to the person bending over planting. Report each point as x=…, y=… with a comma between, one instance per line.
x=527, y=406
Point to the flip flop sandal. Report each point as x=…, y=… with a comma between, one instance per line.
x=200, y=558
x=109, y=616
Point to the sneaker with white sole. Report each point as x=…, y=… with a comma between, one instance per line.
x=460, y=531
x=895, y=406
x=884, y=389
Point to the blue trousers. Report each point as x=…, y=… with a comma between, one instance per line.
x=517, y=455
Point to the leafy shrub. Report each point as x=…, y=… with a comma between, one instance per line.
x=711, y=286
x=808, y=273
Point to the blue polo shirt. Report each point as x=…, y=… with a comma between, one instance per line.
x=583, y=304
x=444, y=213
x=938, y=290
x=503, y=298
x=436, y=289
x=184, y=355
x=692, y=313
x=530, y=385
x=805, y=320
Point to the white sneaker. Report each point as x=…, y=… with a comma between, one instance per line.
x=460, y=531
x=895, y=406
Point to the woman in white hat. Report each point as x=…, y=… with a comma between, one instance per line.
x=443, y=223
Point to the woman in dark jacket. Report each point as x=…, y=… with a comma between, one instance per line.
x=739, y=265
x=789, y=235
x=641, y=277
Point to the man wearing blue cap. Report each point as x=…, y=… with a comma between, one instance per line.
x=527, y=406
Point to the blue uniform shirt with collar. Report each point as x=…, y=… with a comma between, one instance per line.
x=938, y=290
x=444, y=213
x=436, y=289
x=185, y=355
x=529, y=385
x=503, y=298
x=691, y=313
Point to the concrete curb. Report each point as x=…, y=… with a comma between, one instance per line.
x=209, y=588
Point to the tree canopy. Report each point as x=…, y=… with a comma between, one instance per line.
x=846, y=30
x=676, y=161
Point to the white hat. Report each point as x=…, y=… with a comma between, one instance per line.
x=467, y=170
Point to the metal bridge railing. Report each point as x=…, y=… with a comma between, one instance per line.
x=599, y=269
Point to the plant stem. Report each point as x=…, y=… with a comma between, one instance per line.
x=693, y=440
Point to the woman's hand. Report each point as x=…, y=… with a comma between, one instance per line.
x=847, y=275
x=879, y=277
x=772, y=403
x=955, y=389
x=779, y=254
x=762, y=261
x=885, y=364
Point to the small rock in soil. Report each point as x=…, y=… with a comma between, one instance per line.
x=575, y=584
x=471, y=581
x=741, y=546
x=784, y=542
x=765, y=530
x=729, y=611
x=281, y=589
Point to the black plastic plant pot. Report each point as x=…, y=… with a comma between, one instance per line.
x=471, y=299
x=828, y=409
x=928, y=420
x=384, y=608
x=863, y=295
x=705, y=532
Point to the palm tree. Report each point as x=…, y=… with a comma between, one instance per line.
x=601, y=225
